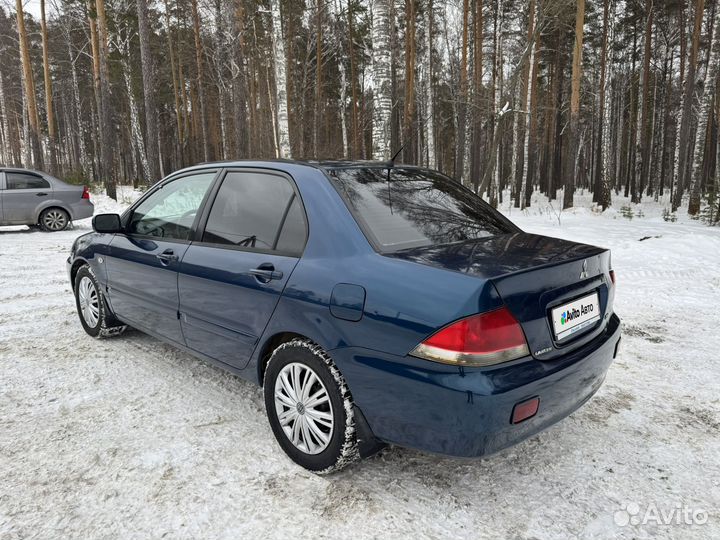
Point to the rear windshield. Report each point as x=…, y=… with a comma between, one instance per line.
x=415, y=208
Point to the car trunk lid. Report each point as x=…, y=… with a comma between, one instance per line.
x=533, y=274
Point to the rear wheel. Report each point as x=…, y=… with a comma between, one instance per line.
x=54, y=219
x=309, y=407
x=94, y=314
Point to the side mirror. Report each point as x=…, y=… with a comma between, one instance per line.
x=107, y=223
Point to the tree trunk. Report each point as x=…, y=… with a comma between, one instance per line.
x=462, y=98
x=356, y=135
x=199, y=81
x=430, y=109
x=33, y=120
x=646, y=123
x=707, y=101
x=572, y=154
x=601, y=189
x=477, y=93
x=107, y=139
x=239, y=83
x=148, y=80
x=5, y=150
x=530, y=124
x=49, y=110
x=85, y=164
x=409, y=112
x=521, y=123
x=381, y=83
x=318, y=77
x=283, y=144
x=683, y=137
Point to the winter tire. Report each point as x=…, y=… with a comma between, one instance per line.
x=95, y=317
x=310, y=407
x=54, y=219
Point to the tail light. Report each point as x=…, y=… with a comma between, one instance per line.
x=612, y=276
x=85, y=193
x=481, y=340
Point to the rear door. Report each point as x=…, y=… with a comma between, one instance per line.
x=142, y=263
x=231, y=280
x=24, y=192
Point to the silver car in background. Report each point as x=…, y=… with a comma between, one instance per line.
x=37, y=199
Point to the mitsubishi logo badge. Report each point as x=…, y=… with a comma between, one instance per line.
x=584, y=274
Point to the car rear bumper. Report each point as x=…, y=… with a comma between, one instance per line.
x=81, y=209
x=467, y=412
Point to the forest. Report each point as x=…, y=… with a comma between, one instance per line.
x=509, y=97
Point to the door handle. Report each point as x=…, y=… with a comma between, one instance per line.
x=41, y=194
x=166, y=257
x=265, y=273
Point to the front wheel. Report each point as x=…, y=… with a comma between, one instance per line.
x=310, y=407
x=54, y=219
x=94, y=314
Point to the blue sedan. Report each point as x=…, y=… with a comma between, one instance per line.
x=375, y=303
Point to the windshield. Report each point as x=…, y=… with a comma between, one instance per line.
x=415, y=208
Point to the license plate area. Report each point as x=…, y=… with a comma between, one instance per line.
x=574, y=317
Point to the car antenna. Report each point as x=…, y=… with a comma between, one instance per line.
x=390, y=164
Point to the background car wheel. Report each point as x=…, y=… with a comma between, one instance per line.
x=94, y=314
x=310, y=407
x=54, y=219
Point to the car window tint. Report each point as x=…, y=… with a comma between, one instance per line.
x=16, y=180
x=250, y=209
x=170, y=211
x=294, y=231
x=415, y=208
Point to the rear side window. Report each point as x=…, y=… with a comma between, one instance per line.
x=415, y=208
x=17, y=180
x=257, y=210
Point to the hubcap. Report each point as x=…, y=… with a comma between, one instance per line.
x=55, y=220
x=89, y=302
x=303, y=408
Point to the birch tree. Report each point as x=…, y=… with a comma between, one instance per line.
x=708, y=98
x=283, y=130
x=148, y=83
x=429, y=93
x=381, y=86
x=571, y=157
x=683, y=134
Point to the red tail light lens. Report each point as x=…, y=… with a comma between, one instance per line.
x=481, y=340
x=86, y=193
x=612, y=276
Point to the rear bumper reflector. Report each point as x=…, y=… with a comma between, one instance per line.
x=525, y=409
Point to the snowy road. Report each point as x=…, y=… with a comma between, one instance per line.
x=129, y=438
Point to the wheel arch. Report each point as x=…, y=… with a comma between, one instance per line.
x=76, y=265
x=269, y=345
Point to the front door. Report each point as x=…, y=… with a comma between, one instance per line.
x=231, y=281
x=143, y=262
x=23, y=193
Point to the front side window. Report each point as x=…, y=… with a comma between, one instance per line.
x=171, y=210
x=412, y=208
x=257, y=210
x=16, y=180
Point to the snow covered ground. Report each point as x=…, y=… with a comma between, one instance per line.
x=128, y=437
